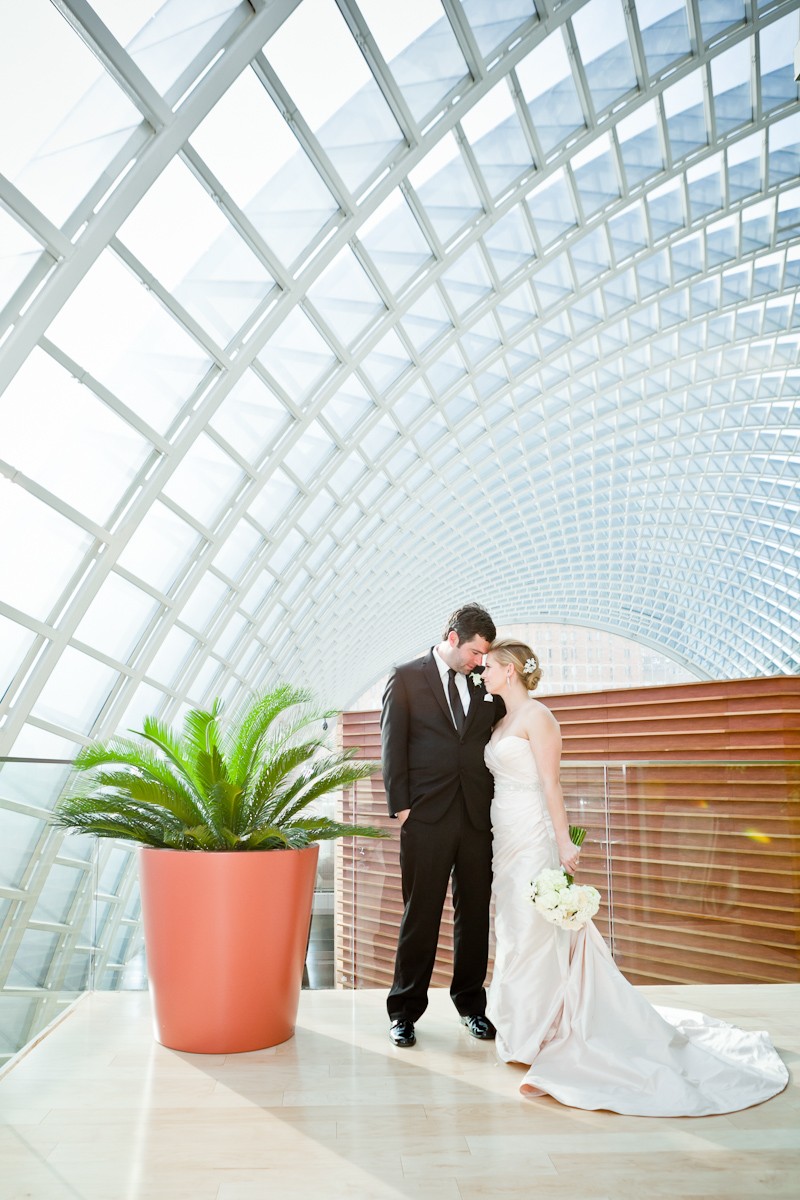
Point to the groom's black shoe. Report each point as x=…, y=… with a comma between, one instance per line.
x=480, y=1028
x=402, y=1032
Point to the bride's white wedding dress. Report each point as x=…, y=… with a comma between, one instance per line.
x=561, y=1006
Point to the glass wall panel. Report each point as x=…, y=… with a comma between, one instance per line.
x=83, y=451
x=71, y=119
x=114, y=327
x=60, y=547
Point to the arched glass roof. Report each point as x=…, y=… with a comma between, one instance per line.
x=318, y=317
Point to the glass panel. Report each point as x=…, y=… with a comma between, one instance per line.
x=60, y=546
x=19, y=254
x=493, y=24
x=348, y=408
x=552, y=209
x=777, y=42
x=21, y=834
x=297, y=356
x=730, y=80
x=310, y=451
x=421, y=50
x=595, y=174
x=251, y=417
x=238, y=549
x=116, y=619
x=33, y=958
x=57, y=894
x=171, y=655
x=665, y=898
x=498, y=142
x=394, y=241
x=509, y=243
x=204, y=263
x=76, y=690
x=603, y=42
x=349, y=115
x=718, y=15
x=165, y=41
x=784, y=149
x=204, y=481
x=147, y=359
x=160, y=547
x=445, y=188
x=665, y=205
x=316, y=513
x=546, y=80
x=665, y=32
x=685, y=114
x=481, y=339
x=203, y=601
x=226, y=641
x=272, y=501
x=745, y=175
x=284, y=196
x=345, y=298
x=15, y=641
x=287, y=549
x=386, y=362
x=705, y=188
x=82, y=451
x=467, y=281
x=72, y=123
x=640, y=144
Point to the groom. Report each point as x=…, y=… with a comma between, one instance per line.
x=436, y=720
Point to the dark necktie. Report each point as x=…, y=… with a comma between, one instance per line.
x=455, y=701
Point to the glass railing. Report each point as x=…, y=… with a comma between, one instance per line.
x=698, y=864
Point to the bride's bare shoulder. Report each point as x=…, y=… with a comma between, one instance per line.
x=539, y=715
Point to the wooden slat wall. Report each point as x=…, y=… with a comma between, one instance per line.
x=704, y=864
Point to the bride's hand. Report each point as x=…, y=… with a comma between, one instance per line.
x=569, y=856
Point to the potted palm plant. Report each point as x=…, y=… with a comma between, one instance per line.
x=228, y=848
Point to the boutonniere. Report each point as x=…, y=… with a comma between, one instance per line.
x=477, y=678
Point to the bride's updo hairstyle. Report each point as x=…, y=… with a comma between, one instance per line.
x=510, y=652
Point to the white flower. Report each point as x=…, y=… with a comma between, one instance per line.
x=530, y=666
x=476, y=678
x=568, y=905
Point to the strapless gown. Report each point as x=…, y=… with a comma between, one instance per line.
x=561, y=1006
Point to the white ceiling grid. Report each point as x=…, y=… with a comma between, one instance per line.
x=504, y=309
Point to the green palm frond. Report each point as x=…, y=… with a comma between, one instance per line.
x=170, y=745
x=239, y=788
x=142, y=764
x=245, y=740
x=318, y=829
x=274, y=779
x=121, y=818
x=331, y=775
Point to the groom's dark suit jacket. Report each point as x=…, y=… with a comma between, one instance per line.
x=425, y=761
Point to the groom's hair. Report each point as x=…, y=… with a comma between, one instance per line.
x=468, y=622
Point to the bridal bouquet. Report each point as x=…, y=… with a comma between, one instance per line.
x=561, y=901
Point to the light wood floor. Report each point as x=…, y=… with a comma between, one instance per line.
x=99, y=1111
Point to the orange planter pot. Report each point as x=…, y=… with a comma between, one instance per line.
x=226, y=936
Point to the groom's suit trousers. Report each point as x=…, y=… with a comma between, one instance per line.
x=431, y=855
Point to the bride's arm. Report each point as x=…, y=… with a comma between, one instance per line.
x=545, y=738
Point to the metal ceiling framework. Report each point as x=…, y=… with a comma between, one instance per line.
x=561, y=373
x=516, y=318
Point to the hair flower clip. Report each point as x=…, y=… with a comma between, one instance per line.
x=530, y=665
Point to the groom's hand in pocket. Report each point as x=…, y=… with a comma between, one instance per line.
x=403, y=815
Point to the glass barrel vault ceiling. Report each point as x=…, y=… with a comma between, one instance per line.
x=319, y=317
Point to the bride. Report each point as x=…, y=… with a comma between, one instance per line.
x=559, y=1003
